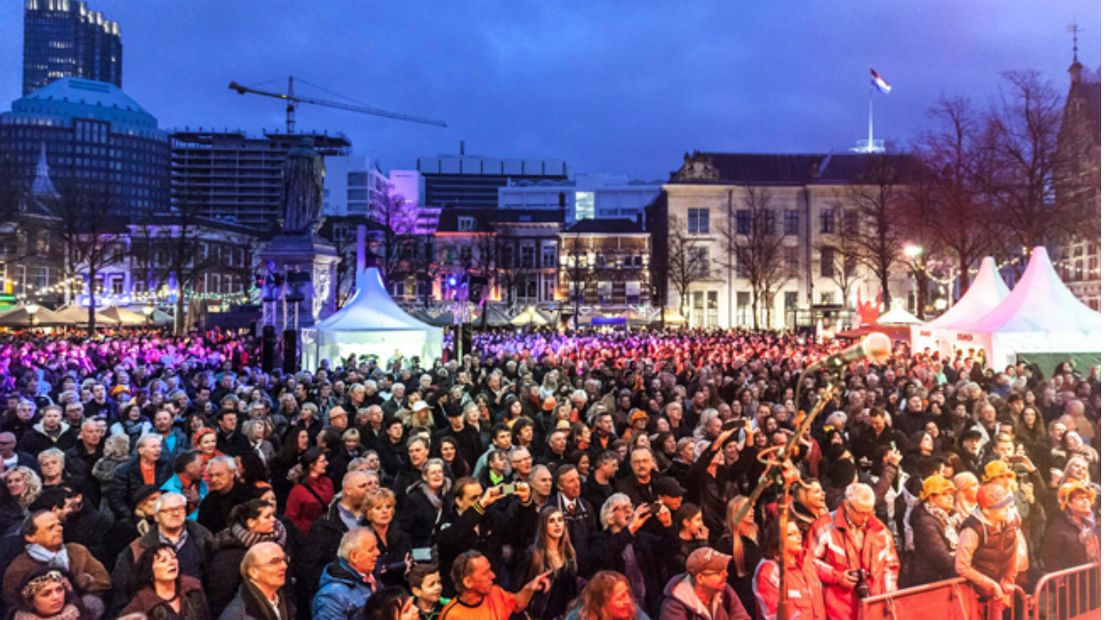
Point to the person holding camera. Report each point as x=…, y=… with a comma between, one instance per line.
x=626, y=546
x=853, y=552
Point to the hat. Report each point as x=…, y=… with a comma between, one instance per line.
x=706, y=558
x=1067, y=490
x=997, y=469
x=119, y=389
x=637, y=414
x=669, y=487
x=549, y=403
x=993, y=496
x=936, y=485
x=142, y=494
x=969, y=434
x=419, y=405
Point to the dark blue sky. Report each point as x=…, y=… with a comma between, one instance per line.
x=617, y=87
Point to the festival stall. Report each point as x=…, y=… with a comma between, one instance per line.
x=1040, y=321
x=30, y=316
x=371, y=323
x=530, y=317
x=986, y=292
x=78, y=315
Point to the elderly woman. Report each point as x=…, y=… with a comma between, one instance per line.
x=163, y=591
x=116, y=452
x=256, y=432
x=935, y=527
x=424, y=504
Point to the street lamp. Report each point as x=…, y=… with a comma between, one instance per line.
x=913, y=251
x=32, y=310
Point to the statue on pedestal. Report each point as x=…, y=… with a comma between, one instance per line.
x=302, y=189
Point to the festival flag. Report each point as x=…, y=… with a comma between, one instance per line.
x=879, y=81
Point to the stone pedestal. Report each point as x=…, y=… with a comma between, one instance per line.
x=309, y=266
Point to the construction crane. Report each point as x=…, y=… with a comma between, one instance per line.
x=294, y=100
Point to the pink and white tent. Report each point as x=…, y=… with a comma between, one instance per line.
x=1039, y=316
x=986, y=292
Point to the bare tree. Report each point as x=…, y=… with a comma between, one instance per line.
x=839, y=251
x=687, y=260
x=751, y=237
x=880, y=203
x=1021, y=137
x=395, y=246
x=90, y=233
x=951, y=207
x=580, y=271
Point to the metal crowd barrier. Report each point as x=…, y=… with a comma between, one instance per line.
x=1071, y=594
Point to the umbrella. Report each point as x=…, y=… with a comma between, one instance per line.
x=529, y=316
x=495, y=317
x=123, y=316
x=20, y=317
x=74, y=315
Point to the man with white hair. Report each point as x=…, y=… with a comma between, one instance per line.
x=348, y=582
x=143, y=469
x=853, y=552
x=223, y=493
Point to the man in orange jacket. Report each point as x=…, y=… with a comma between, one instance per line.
x=853, y=553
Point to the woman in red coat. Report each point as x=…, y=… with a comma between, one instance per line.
x=805, y=596
x=310, y=497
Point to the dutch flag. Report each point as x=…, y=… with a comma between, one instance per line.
x=878, y=81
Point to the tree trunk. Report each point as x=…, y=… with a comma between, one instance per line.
x=963, y=278
x=91, y=303
x=887, y=298
x=178, y=316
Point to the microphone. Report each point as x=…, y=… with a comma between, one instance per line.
x=875, y=347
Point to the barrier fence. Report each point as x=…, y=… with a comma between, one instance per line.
x=1071, y=594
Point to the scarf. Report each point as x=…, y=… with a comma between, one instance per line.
x=247, y=538
x=69, y=612
x=43, y=555
x=1087, y=534
x=436, y=500
x=950, y=523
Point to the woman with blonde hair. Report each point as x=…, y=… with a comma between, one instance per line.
x=24, y=485
x=394, y=544
x=741, y=541
x=607, y=596
x=551, y=553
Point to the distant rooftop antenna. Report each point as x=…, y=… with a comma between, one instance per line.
x=1074, y=29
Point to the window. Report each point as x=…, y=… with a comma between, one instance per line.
x=506, y=256
x=699, y=260
x=791, y=221
x=827, y=262
x=827, y=222
x=605, y=292
x=698, y=221
x=357, y=194
x=548, y=256
x=528, y=257
x=358, y=179
x=743, y=308
x=851, y=221
x=465, y=254
x=465, y=223
x=632, y=292
x=790, y=257
x=790, y=298
x=117, y=286
x=827, y=297
x=711, y=309
x=743, y=222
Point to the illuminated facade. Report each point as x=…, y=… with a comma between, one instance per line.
x=586, y=196
x=470, y=181
x=64, y=38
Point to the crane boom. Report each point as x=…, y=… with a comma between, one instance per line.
x=294, y=100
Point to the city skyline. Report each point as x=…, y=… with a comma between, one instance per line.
x=604, y=87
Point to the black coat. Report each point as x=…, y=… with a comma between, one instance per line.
x=391, y=565
x=419, y=518
x=224, y=575
x=607, y=553
x=214, y=510
x=127, y=481
x=1063, y=548
x=933, y=558
x=506, y=522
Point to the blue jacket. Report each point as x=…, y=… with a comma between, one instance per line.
x=342, y=593
x=175, y=485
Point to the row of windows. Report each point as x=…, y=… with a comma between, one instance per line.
x=698, y=222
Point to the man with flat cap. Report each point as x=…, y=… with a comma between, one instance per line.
x=702, y=592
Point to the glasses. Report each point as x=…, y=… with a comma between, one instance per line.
x=277, y=561
x=175, y=510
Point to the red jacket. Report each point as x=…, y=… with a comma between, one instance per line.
x=833, y=554
x=805, y=594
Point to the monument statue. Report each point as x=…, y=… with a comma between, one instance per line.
x=302, y=189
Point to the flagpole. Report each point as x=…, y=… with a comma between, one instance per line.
x=870, y=118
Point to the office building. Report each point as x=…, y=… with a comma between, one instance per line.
x=94, y=135
x=470, y=181
x=353, y=185
x=64, y=38
x=586, y=196
x=233, y=176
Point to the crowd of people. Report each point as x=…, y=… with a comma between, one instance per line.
x=589, y=476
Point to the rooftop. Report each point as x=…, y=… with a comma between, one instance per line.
x=70, y=97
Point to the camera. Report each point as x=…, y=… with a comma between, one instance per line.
x=509, y=489
x=655, y=507
x=731, y=424
x=862, y=588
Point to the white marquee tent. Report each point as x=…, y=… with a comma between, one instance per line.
x=371, y=323
x=986, y=292
x=1040, y=320
x=897, y=315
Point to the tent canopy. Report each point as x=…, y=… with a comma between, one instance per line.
x=1040, y=315
x=986, y=292
x=371, y=323
x=530, y=316
x=898, y=316
x=75, y=315
x=19, y=317
x=123, y=316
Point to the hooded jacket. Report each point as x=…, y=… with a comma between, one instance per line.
x=833, y=554
x=37, y=439
x=680, y=602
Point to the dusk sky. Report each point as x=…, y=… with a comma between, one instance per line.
x=613, y=87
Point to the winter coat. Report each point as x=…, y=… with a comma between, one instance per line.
x=88, y=575
x=249, y=604
x=933, y=557
x=193, y=604
x=803, y=588
x=342, y=593
x=303, y=508
x=37, y=440
x=418, y=517
x=833, y=554
x=1063, y=548
x=198, y=537
x=681, y=603
x=127, y=479
x=607, y=552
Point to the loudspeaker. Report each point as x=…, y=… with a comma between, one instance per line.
x=291, y=351
x=268, y=348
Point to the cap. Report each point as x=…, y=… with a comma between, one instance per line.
x=997, y=469
x=549, y=403
x=936, y=485
x=1069, y=489
x=637, y=414
x=669, y=487
x=419, y=405
x=706, y=558
x=993, y=496
x=969, y=434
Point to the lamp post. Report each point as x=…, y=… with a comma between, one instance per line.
x=32, y=310
x=913, y=252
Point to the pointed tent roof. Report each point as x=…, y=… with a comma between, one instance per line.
x=898, y=316
x=986, y=292
x=371, y=309
x=1040, y=303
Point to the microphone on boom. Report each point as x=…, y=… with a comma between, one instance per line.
x=875, y=347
